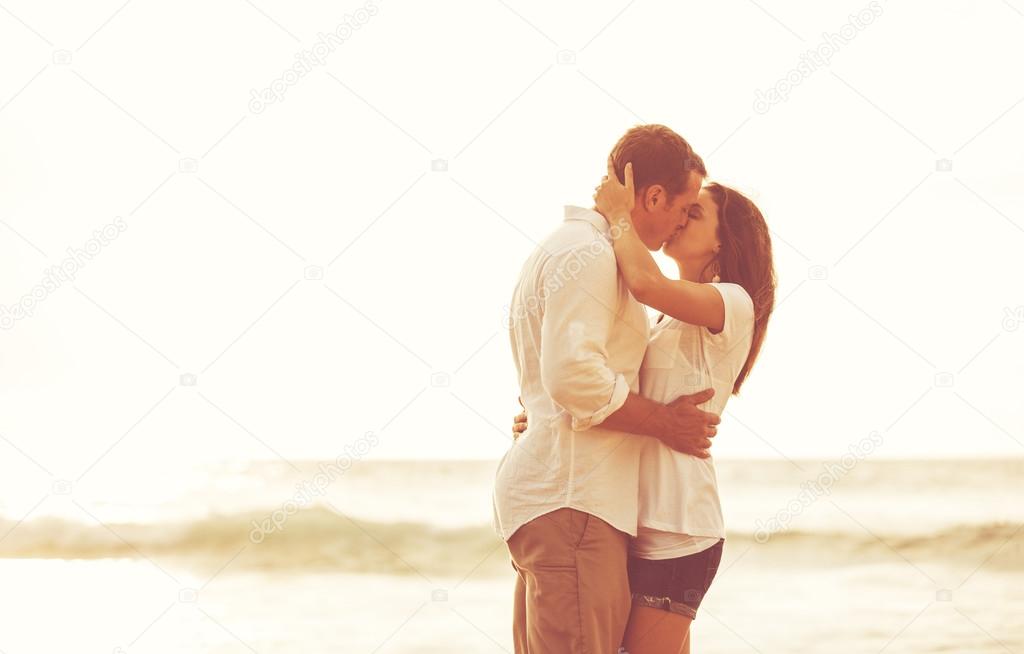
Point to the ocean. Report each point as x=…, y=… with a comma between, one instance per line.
x=398, y=556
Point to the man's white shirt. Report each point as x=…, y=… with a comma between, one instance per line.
x=578, y=338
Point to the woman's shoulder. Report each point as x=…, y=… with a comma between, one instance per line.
x=739, y=315
x=734, y=292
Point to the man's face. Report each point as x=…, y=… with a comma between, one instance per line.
x=656, y=218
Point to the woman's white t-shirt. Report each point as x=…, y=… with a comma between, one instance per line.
x=679, y=509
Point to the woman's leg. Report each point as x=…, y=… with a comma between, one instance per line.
x=655, y=631
x=667, y=594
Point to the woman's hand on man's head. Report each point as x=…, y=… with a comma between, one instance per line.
x=615, y=201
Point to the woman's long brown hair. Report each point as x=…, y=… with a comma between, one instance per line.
x=745, y=258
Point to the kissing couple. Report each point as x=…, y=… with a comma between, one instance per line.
x=607, y=499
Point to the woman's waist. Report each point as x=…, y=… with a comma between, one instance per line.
x=658, y=458
x=674, y=484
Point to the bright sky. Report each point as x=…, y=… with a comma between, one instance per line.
x=321, y=280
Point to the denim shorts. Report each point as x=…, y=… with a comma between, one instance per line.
x=674, y=585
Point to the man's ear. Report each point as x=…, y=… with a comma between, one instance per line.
x=654, y=197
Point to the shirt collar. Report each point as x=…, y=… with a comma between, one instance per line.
x=590, y=216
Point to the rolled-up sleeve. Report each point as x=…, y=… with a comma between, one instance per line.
x=580, y=307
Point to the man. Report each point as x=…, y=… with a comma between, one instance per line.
x=565, y=496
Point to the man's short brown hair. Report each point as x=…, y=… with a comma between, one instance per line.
x=659, y=156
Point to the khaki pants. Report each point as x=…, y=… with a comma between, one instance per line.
x=572, y=593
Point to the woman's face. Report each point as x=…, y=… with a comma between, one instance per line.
x=698, y=238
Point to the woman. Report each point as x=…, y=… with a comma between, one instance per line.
x=709, y=334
